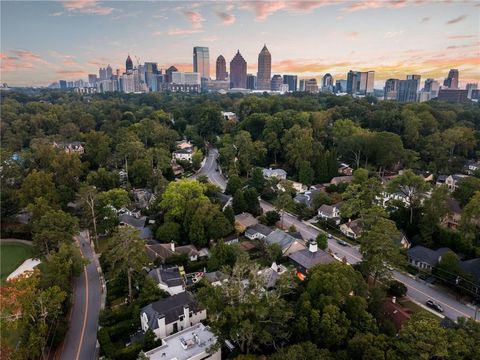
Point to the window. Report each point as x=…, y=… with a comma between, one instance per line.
x=180, y=318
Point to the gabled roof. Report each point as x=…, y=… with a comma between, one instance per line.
x=281, y=238
x=221, y=198
x=426, y=255
x=168, y=276
x=472, y=267
x=258, y=228
x=170, y=308
x=183, y=151
x=328, y=210
x=164, y=251
x=355, y=226
x=138, y=223
x=309, y=259
x=306, y=197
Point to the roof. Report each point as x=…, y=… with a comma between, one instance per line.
x=281, y=238
x=355, y=226
x=222, y=198
x=306, y=197
x=164, y=251
x=170, y=308
x=426, y=255
x=472, y=267
x=441, y=178
x=168, y=276
x=341, y=179
x=309, y=259
x=274, y=172
x=258, y=228
x=328, y=210
x=215, y=276
x=246, y=219
x=396, y=313
x=183, y=151
x=138, y=223
x=270, y=277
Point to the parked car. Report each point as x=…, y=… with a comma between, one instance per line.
x=329, y=236
x=341, y=242
x=433, y=305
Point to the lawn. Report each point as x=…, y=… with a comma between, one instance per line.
x=12, y=255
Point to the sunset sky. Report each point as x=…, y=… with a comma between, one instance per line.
x=42, y=42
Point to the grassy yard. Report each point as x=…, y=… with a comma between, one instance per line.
x=414, y=308
x=12, y=255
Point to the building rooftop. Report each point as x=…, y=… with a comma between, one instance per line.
x=191, y=343
x=309, y=259
x=168, y=276
x=258, y=228
x=426, y=255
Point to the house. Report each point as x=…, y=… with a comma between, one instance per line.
x=231, y=239
x=451, y=181
x=73, y=147
x=454, y=215
x=257, y=231
x=172, y=314
x=270, y=173
x=122, y=176
x=216, y=278
x=425, y=258
x=306, y=198
x=341, y=180
x=472, y=166
x=245, y=220
x=168, y=279
x=387, y=198
x=352, y=229
x=403, y=241
x=306, y=259
x=229, y=116
x=287, y=242
x=176, y=168
x=183, y=154
x=222, y=199
x=472, y=268
x=330, y=212
x=345, y=169
x=126, y=219
x=271, y=274
x=164, y=251
x=396, y=313
x=143, y=198
x=193, y=343
x=295, y=185
x=426, y=175
x=183, y=144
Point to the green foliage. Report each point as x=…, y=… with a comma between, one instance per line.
x=302, y=351
x=169, y=232
x=239, y=204
x=322, y=241
x=234, y=183
x=398, y=289
x=272, y=217
x=466, y=189
x=221, y=255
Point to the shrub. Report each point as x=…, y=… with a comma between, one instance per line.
x=106, y=345
x=397, y=289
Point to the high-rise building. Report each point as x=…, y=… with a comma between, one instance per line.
x=327, y=83
x=63, y=84
x=431, y=86
x=452, y=79
x=453, y=95
x=129, y=64
x=92, y=79
x=276, y=83
x=108, y=72
x=151, y=72
x=201, y=61
x=341, y=86
x=238, y=72
x=102, y=74
x=311, y=86
x=251, y=82
x=301, y=85
x=221, y=69
x=264, y=73
x=352, y=82
x=360, y=82
x=470, y=87
x=407, y=89
x=391, y=89
x=168, y=73
x=291, y=81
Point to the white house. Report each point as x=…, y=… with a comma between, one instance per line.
x=330, y=212
x=451, y=181
x=183, y=154
x=352, y=229
x=172, y=314
x=168, y=279
x=257, y=231
x=298, y=187
x=274, y=173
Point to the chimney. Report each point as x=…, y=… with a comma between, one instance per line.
x=172, y=246
x=394, y=299
x=312, y=247
x=186, y=316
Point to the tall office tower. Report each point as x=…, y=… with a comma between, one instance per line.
x=352, y=82
x=431, y=86
x=453, y=95
x=301, y=85
x=264, y=73
x=151, y=71
x=221, y=69
x=63, y=84
x=201, y=61
x=291, y=81
x=311, y=86
x=108, y=72
x=92, y=79
x=129, y=64
x=391, y=89
x=407, y=89
x=102, y=74
x=341, y=86
x=238, y=72
x=366, y=80
x=452, y=79
x=276, y=83
x=168, y=73
x=470, y=87
x=327, y=83
x=251, y=82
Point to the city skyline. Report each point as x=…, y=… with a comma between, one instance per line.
x=61, y=39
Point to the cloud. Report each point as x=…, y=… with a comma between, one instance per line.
x=352, y=34
x=456, y=20
x=227, y=19
x=461, y=36
x=392, y=34
x=72, y=73
x=211, y=38
x=178, y=31
x=157, y=33
x=86, y=7
x=263, y=9
x=196, y=22
x=22, y=59
x=465, y=46
x=58, y=13
x=426, y=19
x=375, y=4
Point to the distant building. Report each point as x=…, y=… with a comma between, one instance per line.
x=360, y=83
x=287, y=242
x=291, y=81
x=407, y=89
x=185, y=82
x=301, y=85
x=470, y=87
x=425, y=258
x=391, y=89
x=221, y=69
x=452, y=79
x=217, y=85
x=432, y=87
x=251, y=82
x=238, y=72
x=453, y=95
x=327, y=83
x=311, y=86
x=306, y=259
x=352, y=229
x=168, y=279
x=276, y=83
x=92, y=79
x=128, y=64
x=274, y=173
x=264, y=69
x=63, y=84
x=169, y=72
x=341, y=86
x=201, y=61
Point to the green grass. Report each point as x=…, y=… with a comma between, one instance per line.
x=414, y=308
x=12, y=255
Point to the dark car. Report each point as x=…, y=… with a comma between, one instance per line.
x=433, y=305
x=343, y=243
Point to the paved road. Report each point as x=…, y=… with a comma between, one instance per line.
x=418, y=291
x=81, y=339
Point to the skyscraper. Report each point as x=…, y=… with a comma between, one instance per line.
x=151, y=71
x=391, y=89
x=221, y=68
x=276, y=82
x=291, y=81
x=341, y=86
x=92, y=79
x=327, y=83
x=63, y=84
x=311, y=86
x=431, y=86
x=108, y=72
x=251, y=82
x=407, y=89
x=301, y=85
x=129, y=64
x=238, y=72
x=264, y=73
x=168, y=73
x=352, y=82
x=359, y=82
x=452, y=79
x=201, y=61
x=470, y=87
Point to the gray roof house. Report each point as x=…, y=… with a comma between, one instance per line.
x=171, y=314
x=330, y=212
x=274, y=173
x=306, y=198
x=168, y=279
x=307, y=258
x=286, y=241
x=472, y=267
x=257, y=231
x=425, y=258
x=138, y=223
x=222, y=199
x=164, y=251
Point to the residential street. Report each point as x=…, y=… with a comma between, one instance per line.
x=80, y=341
x=418, y=291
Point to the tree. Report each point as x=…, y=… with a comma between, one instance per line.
x=467, y=186
x=169, y=232
x=434, y=209
x=301, y=351
x=103, y=179
x=282, y=203
x=54, y=228
x=398, y=289
x=322, y=241
x=272, y=217
x=238, y=203
x=251, y=199
x=412, y=187
x=222, y=255
x=88, y=200
x=38, y=184
x=371, y=346
x=197, y=158
x=229, y=214
x=97, y=148
x=274, y=252
x=449, y=267
x=306, y=173
x=334, y=325
x=233, y=184
x=469, y=224
x=298, y=144
x=178, y=196
x=257, y=181
x=126, y=255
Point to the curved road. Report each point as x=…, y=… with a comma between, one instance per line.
x=80, y=342
x=418, y=291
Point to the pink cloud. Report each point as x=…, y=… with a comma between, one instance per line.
x=456, y=20
x=461, y=36
x=195, y=18
x=263, y=9
x=157, y=33
x=177, y=31
x=375, y=4
x=86, y=7
x=227, y=19
x=72, y=73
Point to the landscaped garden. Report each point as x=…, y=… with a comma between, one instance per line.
x=12, y=256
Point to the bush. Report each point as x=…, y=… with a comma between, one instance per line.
x=106, y=346
x=272, y=217
x=397, y=289
x=121, y=330
x=110, y=317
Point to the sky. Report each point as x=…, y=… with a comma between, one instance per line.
x=44, y=41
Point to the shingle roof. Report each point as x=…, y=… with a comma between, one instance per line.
x=306, y=197
x=132, y=221
x=308, y=259
x=222, y=198
x=472, y=267
x=170, y=308
x=355, y=226
x=426, y=255
x=164, y=251
x=258, y=228
x=281, y=238
x=168, y=276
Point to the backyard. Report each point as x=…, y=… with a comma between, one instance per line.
x=12, y=254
